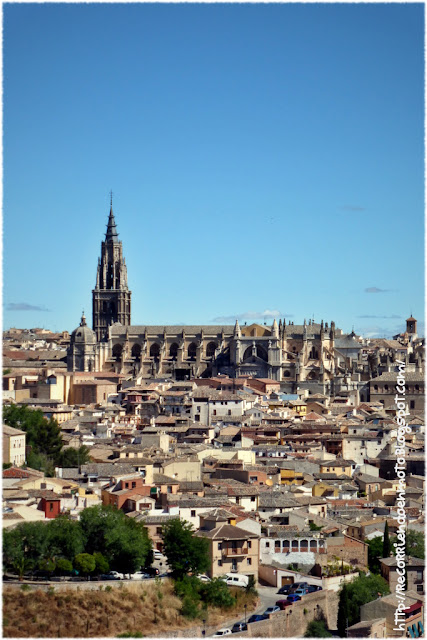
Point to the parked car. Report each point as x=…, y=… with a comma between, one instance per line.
x=271, y=610
x=152, y=571
x=203, y=577
x=284, y=591
x=298, y=585
x=299, y=592
x=293, y=598
x=140, y=575
x=236, y=579
x=222, y=632
x=158, y=555
x=112, y=575
x=257, y=617
x=239, y=626
x=313, y=587
x=282, y=604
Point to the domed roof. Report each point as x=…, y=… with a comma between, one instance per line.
x=83, y=333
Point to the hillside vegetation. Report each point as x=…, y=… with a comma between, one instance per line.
x=148, y=609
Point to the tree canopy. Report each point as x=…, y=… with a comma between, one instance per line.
x=356, y=593
x=185, y=552
x=105, y=533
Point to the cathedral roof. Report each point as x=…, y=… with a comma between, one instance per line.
x=158, y=330
x=83, y=333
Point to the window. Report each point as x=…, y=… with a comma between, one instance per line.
x=133, y=485
x=50, y=506
x=419, y=575
x=159, y=531
x=249, y=544
x=219, y=546
x=193, y=513
x=229, y=412
x=267, y=545
x=169, y=489
x=420, y=588
x=197, y=417
x=249, y=560
x=253, y=499
x=234, y=565
x=412, y=404
x=219, y=563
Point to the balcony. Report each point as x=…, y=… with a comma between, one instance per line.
x=234, y=552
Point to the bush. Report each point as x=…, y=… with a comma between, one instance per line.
x=217, y=594
x=189, y=608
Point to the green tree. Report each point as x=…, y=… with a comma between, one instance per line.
x=317, y=629
x=84, y=563
x=415, y=543
x=43, y=435
x=71, y=457
x=217, y=594
x=386, y=542
x=64, y=567
x=356, y=593
x=375, y=552
x=65, y=537
x=343, y=611
x=29, y=540
x=185, y=552
x=101, y=563
x=124, y=542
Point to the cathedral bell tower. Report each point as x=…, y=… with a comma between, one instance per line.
x=111, y=296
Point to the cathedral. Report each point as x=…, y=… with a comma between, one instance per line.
x=294, y=354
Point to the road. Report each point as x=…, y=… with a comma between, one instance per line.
x=267, y=597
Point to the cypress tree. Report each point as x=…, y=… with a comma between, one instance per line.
x=343, y=612
x=386, y=542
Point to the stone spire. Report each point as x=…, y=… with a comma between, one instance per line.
x=237, y=332
x=275, y=329
x=111, y=234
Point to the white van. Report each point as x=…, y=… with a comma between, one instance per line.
x=236, y=580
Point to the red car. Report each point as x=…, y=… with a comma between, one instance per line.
x=283, y=604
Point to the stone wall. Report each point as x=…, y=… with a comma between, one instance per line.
x=293, y=621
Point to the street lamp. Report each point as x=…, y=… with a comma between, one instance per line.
x=204, y=630
x=245, y=611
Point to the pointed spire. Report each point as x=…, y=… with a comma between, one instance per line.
x=111, y=234
x=237, y=332
x=275, y=329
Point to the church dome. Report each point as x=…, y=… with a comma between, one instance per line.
x=83, y=334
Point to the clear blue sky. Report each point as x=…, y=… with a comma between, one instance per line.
x=265, y=159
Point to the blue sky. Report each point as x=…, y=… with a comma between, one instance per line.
x=265, y=160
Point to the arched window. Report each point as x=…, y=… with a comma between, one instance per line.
x=287, y=374
x=294, y=545
x=313, y=545
x=192, y=351
x=313, y=354
x=136, y=351
x=173, y=351
x=117, y=352
x=155, y=351
x=210, y=349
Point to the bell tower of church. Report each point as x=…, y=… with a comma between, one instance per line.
x=111, y=296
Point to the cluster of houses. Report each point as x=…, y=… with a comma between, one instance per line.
x=284, y=487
